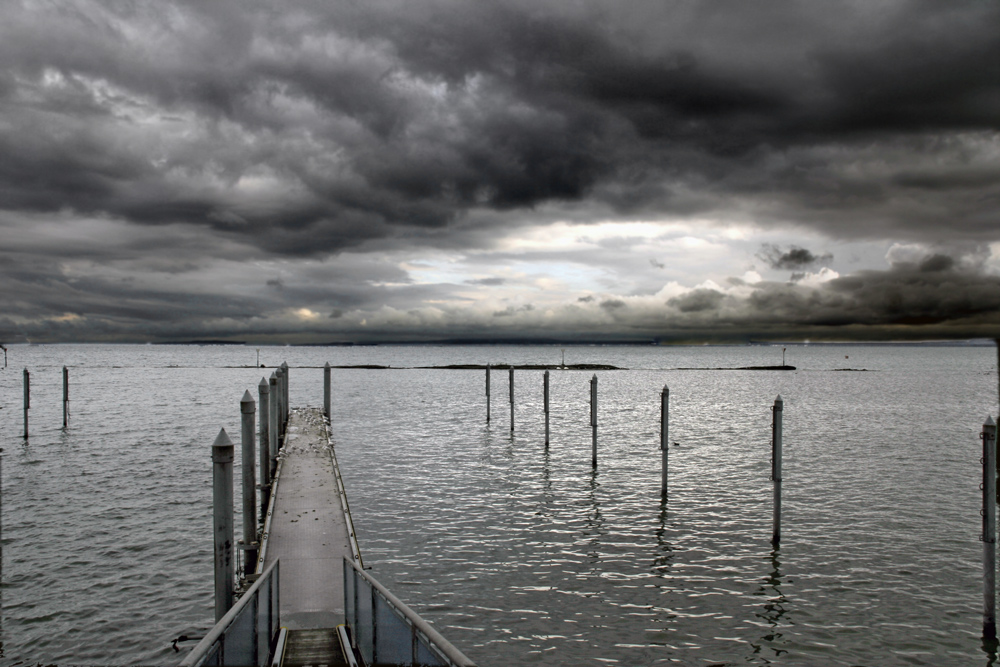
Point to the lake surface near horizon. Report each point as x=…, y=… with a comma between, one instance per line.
x=520, y=554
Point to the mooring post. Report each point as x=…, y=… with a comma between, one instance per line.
x=512, y=398
x=487, y=393
x=273, y=420
x=65, y=397
x=222, y=519
x=778, y=409
x=989, y=536
x=27, y=400
x=264, y=444
x=664, y=437
x=326, y=390
x=281, y=402
x=593, y=420
x=284, y=385
x=248, y=436
x=545, y=401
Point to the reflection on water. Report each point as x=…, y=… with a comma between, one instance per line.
x=773, y=615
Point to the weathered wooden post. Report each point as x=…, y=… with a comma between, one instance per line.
x=512, y=398
x=65, y=397
x=593, y=420
x=664, y=438
x=222, y=519
x=284, y=391
x=778, y=410
x=545, y=401
x=273, y=420
x=487, y=393
x=326, y=390
x=247, y=436
x=989, y=536
x=27, y=400
x=264, y=444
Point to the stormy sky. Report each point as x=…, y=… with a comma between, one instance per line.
x=338, y=170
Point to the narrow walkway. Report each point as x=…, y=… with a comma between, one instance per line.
x=309, y=532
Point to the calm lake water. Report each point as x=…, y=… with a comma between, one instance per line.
x=517, y=553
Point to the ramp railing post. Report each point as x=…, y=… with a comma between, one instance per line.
x=778, y=410
x=326, y=390
x=222, y=519
x=989, y=536
x=545, y=401
x=664, y=437
x=248, y=435
x=593, y=420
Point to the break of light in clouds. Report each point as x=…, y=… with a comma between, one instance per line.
x=311, y=171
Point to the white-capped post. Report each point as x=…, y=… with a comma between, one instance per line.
x=776, y=467
x=512, y=398
x=664, y=438
x=248, y=436
x=545, y=392
x=222, y=519
x=264, y=443
x=593, y=420
x=326, y=390
x=989, y=536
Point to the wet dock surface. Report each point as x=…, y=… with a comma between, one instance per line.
x=309, y=530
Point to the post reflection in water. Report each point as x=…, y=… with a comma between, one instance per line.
x=774, y=611
x=989, y=646
x=665, y=551
x=595, y=519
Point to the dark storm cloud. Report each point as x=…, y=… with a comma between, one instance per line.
x=363, y=121
x=794, y=258
x=180, y=138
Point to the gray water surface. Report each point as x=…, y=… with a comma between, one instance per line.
x=517, y=553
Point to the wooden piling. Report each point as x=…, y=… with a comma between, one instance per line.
x=511, y=399
x=27, y=400
x=664, y=438
x=65, y=397
x=273, y=420
x=778, y=410
x=593, y=420
x=222, y=519
x=326, y=390
x=487, y=393
x=545, y=393
x=247, y=436
x=989, y=536
x=264, y=443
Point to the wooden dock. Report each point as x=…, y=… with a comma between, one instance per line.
x=310, y=532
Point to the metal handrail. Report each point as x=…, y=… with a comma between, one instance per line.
x=216, y=637
x=422, y=631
